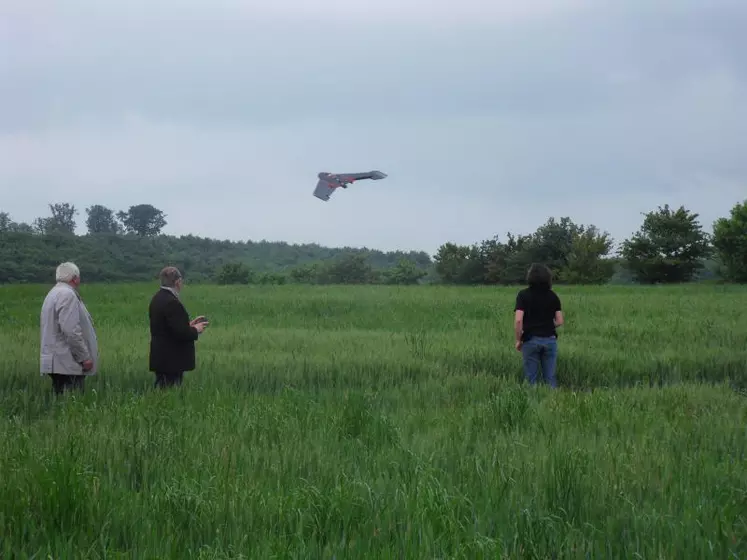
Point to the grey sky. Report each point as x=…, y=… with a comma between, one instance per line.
x=486, y=116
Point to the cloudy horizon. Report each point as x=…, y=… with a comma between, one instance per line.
x=487, y=117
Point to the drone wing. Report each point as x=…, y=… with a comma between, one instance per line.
x=328, y=182
x=324, y=190
x=350, y=177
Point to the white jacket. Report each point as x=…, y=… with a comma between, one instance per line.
x=68, y=337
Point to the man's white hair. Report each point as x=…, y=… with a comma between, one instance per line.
x=67, y=271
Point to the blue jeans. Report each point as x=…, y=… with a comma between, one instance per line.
x=540, y=350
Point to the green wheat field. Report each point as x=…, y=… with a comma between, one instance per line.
x=383, y=422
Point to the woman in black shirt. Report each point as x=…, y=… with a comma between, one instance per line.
x=537, y=315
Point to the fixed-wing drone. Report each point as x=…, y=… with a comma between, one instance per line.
x=328, y=182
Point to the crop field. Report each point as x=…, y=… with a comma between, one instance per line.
x=383, y=422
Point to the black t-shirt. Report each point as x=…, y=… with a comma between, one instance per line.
x=539, y=306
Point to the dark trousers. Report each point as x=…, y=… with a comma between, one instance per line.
x=62, y=383
x=164, y=379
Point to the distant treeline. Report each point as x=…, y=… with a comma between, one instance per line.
x=129, y=246
x=669, y=247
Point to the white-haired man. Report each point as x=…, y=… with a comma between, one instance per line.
x=69, y=348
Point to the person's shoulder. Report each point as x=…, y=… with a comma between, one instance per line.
x=62, y=294
x=52, y=293
x=523, y=293
x=50, y=298
x=163, y=293
x=160, y=298
x=555, y=299
x=521, y=299
x=169, y=301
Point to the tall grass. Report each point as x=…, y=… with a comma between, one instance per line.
x=384, y=422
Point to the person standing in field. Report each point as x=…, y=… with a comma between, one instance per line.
x=172, y=334
x=538, y=313
x=69, y=346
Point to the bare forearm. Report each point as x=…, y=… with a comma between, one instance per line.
x=518, y=330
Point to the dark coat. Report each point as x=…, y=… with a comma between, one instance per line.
x=172, y=339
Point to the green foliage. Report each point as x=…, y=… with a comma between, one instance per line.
x=586, y=261
x=456, y=264
x=669, y=247
x=730, y=242
x=272, y=278
x=575, y=253
x=61, y=222
x=234, y=273
x=306, y=273
x=142, y=220
x=348, y=269
x=102, y=220
x=552, y=242
x=109, y=254
x=7, y=225
x=379, y=422
x=405, y=272
x=507, y=263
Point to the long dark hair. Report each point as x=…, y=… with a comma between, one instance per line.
x=539, y=277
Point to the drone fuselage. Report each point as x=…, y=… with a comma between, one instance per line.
x=328, y=182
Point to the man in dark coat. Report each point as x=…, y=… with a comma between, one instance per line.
x=172, y=334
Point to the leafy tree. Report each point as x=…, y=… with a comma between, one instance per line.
x=406, y=273
x=556, y=243
x=349, y=269
x=274, y=278
x=234, y=273
x=552, y=242
x=668, y=248
x=305, y=273
x=507, y=263
x=143, y=220
x=586, y=262
x=101, y=220
x=6, y=224
x=730, y=242
x=450, y=259
x=460, y=264
x=41, y=226
x=63, y=218
x=22, y=227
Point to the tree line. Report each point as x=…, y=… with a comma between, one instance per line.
x=669, y=247
x=129, y=245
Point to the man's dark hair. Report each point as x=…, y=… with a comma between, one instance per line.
x=539, y=276
x=169, y=276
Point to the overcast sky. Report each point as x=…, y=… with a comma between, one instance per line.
x=487, y=117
